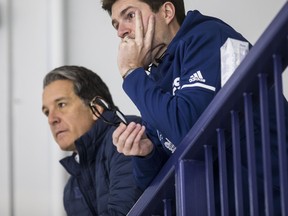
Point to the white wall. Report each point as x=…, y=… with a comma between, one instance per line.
x=250, y=17
x=35, y=37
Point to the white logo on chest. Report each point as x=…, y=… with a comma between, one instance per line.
x=176, y=84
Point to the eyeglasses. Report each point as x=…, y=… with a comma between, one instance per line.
x=101, y=102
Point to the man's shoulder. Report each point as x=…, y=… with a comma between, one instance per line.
x=197, y=21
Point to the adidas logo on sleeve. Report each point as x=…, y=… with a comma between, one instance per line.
x=197, y=80
x=197, y=77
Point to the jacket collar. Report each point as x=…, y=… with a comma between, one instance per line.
x=88, y=144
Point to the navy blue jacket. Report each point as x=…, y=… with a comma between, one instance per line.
x=170, y=100
x=179, y=89
x=102, y=183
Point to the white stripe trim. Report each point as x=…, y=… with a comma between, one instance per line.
x=199, y=85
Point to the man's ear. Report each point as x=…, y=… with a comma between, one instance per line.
x=100, y=109
x=169, y=11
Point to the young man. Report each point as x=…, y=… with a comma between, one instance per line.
x=82, y=117
x=181, y=55
x=157, y=38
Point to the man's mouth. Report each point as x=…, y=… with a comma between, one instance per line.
x=59, y=133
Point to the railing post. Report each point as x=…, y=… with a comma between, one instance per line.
x=209, y=180
x=191, y=188
x=282, y=149
x=167, y=207
x=237, y=168
x=222, y=172
x=250, y=146
x=264, y=111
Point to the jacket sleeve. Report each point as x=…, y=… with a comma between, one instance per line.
x=123, y=191
x=174, y=110
x=146, y=168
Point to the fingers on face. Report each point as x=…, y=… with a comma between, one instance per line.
x=139, y=32
x=142, y=37
x=126, y=38
x=150, y=30
x=138, y=25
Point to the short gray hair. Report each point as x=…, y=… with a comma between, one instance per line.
x=87, y=84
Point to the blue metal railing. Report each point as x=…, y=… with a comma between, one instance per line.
x=187, y=184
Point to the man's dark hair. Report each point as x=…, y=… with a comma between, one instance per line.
x=154, y=5
x=87, y=84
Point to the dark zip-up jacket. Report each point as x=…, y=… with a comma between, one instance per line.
x=179, y=89
x=102, y=182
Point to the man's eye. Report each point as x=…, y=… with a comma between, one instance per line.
x=131, y=15
x=115, y=25
x=46, y=112
x=61, y=105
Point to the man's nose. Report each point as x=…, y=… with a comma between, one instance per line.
x=123, y=30
x=53, y=118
